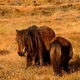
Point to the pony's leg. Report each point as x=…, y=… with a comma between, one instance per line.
x=59, y=70
x=40, y=59
x=26, y=62
x=66, y=67
x=56, y=68
x=33, y=60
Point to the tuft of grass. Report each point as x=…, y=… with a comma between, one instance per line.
x=4, y=52
x=72, y=38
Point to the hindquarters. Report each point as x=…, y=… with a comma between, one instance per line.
x=67, y=54
x=47, y=34
x=55, y=56
x=63, y=49
x=38, y=47
x=37, y=44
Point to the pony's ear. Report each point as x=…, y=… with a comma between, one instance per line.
x=17, y=31
x=26, y=32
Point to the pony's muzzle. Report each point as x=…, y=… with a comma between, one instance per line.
x=21, y=54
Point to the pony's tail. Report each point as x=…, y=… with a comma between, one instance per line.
x=55, y=56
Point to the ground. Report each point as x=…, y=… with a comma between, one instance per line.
x=63, y=18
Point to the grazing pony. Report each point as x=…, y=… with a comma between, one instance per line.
x=60, y=54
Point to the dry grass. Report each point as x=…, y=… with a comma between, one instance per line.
x=63, y=19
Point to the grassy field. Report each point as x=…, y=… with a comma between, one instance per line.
x=62, y=17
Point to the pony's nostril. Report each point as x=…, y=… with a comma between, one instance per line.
x=21, y=54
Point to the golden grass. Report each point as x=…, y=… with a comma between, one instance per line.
x=65, y=23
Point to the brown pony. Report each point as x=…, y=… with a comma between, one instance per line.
x=31, y=41
x=60, y=54
x=47, y=34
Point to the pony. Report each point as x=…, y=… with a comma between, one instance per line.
x=60, y=53
x=31, y=41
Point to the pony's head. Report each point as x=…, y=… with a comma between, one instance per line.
x=20, y=38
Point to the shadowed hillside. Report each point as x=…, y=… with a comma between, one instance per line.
x=9, y=10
